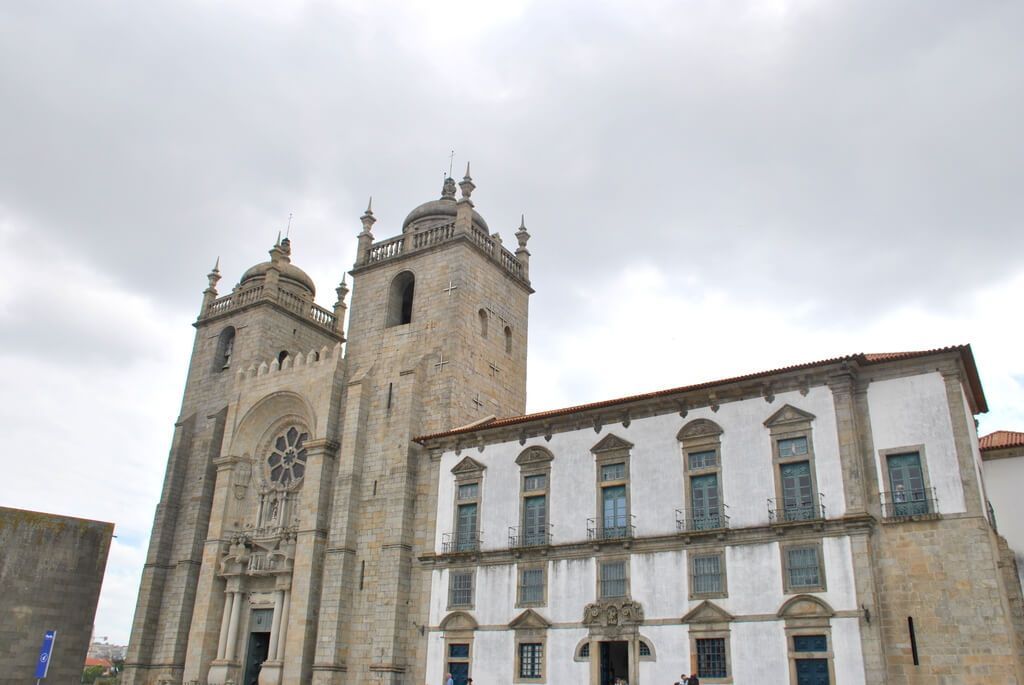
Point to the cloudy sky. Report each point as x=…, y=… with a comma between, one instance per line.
x=713, y=188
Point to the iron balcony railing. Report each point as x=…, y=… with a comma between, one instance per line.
x=711, y=519
x=906, y=503
x=622, y=528
x=461, y=541
x=785, y=510
x=529, y=536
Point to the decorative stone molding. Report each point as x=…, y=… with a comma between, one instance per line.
x=709, y=613
x=805, y=607
x=611, y=443
x=699, y=428
x=468, y=467
x=458, y=621
x=613, y=614
x=788, y=415
x=534, y=456
x=529, y=620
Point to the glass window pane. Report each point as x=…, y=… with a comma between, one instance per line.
x=810, y=643
x=793, y=447
x=703, y=460
x=613, y=579
x=535, y=482
x=530, y=656
x=460, y=589
x=645, y=650
x=802, y=563
x=707, y=574
x=613, y=472
x=711, y=658
x=469, y=490
x=531, y=586
x=458, y=651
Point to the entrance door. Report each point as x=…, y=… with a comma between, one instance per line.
x=259, y=646
x=797, y=502
x=907, y=482
x=812, y=672
x=614, y=662
x=704, y=500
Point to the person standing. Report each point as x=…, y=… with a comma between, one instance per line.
x=448, y=680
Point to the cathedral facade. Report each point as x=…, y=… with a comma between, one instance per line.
x=372, y=506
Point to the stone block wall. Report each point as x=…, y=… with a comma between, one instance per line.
x=51, y=570
x=945, y=575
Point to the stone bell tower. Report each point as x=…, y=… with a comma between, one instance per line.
x=436, y=339
x=295, y=503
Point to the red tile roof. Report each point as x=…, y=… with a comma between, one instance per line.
x=93, y=661
x=1000, y=440
x=966, y=355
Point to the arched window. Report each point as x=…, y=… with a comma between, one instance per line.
x=508, y=340
x=225, y=348
x=400, y=299
x=483, y=322
x=282, y=355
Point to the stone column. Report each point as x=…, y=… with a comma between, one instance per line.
x=849, y=432
x=236, y=612
x=285, y=605
x=958, y=413
x=275, y=625
x=224, y=624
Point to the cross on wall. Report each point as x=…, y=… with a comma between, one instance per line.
x=494, y=369
x=450, y=288
x=477, y=403
x=441, y=362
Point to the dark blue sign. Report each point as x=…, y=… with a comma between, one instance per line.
x=43, y=665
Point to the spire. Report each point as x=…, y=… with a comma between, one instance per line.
x=214, y=276
x=522, y=254
x=522, y=235
x=210, y=294
x=368, y=218
x=339, y=305
x=467, y=184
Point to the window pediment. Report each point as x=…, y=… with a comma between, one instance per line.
x=529, y=620
x=805, y=606
x=534, y=455
x=611, y=443
x=707, y=612
x=458, y=620
x=468, y=466
x=789, y=415
x=699, y=428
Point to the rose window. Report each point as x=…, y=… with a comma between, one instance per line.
x=287, y=460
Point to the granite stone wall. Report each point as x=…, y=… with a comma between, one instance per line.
x=51, y=570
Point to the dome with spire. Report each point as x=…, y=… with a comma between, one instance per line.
x=280, y=257
x=443, y=209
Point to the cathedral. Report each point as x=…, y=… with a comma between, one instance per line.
x=370, y=505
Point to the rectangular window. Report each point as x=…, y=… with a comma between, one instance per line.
x=707, y=574
x=613, y=579
x=531, y=586
x=711, y=658
x=535, y=482
x=469, y=490
x=465, y=533
x=458, y=663
x=797, y=492
x=535, y=520
x=615, y=519
x=460, y=589
x=704, y=502
x=458, y=651
x=810, y=643
x=531, y=657
x=906, y=479
x=793, y=447
x=802, y=567
x=613, y=471
x=703, y=460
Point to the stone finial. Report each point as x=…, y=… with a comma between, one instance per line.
x=522, y=254
x=366, y=236
x=448, y=189
x=340, y=307
x=368, y=218
x=210, y=294
x=466, y=185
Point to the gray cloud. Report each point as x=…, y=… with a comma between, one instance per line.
x=823, y=165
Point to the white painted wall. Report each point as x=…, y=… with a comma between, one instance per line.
x=914, y=411
x=1004, y=478
x=656, y=471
